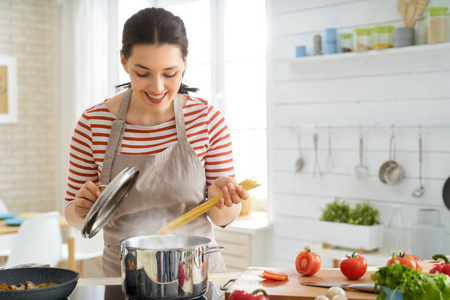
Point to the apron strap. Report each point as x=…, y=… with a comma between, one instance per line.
x=118, y=126
x=179, y=120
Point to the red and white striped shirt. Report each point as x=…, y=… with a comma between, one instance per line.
x=206, y=131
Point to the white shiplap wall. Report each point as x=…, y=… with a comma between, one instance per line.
x=406, y=87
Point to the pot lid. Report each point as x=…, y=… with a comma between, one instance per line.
x=109, y=201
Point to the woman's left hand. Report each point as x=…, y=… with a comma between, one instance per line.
x=232, y=192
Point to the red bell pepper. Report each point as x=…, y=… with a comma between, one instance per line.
x=243, y=295
x=443, y=268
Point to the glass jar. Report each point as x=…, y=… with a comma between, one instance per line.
x=346, y=42
x=363, y=39
x=437, y=22
x=420, y=30
x=428, y=235
x=383, y=37
x=395, y=233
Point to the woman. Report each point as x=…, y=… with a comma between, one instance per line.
x=180, y=144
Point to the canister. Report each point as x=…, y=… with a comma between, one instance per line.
x=363, y=39
x=330, y=41
x=346, y=42
x=428, y=235
x=420, y=29
x=383, y=37
x=437, y=22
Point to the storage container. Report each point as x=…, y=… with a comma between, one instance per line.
x=346, y=42
x=383, y=37
x=420, y=30
x=363, y=39
x=330, y=41
x=428, y=235
x=437, y=22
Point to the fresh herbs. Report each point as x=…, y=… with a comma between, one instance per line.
x=336, y=211
x=341, y=212
x=414, y=284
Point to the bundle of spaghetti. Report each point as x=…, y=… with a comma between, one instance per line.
x=247, y=184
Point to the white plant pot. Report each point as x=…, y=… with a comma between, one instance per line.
x=351, y=236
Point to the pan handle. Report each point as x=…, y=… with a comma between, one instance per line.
x=214, y=249
x=113, y=248
x=223, y=287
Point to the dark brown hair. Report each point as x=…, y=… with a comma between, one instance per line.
x=154, y=26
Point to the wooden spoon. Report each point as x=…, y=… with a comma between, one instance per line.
x=410, y=11
x=420, y=6
x=402, y=6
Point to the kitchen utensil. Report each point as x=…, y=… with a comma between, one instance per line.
x=420, y=190
x=316, y=156
x=329, y=163
x=290, y=289
x=165, y=267
x=420, y=6
x=300, y=161
x=410, y=10
x=109, y=201
x=360, y=169
x=402, y=6
x=363, y=287
x=446, y=193
x=391, y=172
x=67, y=279
x=247, y=184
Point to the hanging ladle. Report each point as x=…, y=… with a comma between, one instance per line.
x=300, y=161
x=420, y=190
x=360, y=169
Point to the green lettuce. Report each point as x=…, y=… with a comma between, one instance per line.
x=414, y=284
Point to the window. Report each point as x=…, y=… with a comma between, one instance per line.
x=227, y=62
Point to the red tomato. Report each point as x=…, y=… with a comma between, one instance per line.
x=403, y=259
x=307, y=263
x=354, y=266
x=419, y=263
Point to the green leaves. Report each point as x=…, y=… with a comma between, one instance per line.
x=414, y=284
x=336, y=211
x=364, y=214
x=340, y=211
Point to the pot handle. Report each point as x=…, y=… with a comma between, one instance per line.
x=223, y=287
x=214, y=249
x=113, y=248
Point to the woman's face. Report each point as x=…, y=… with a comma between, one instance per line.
x=156, y=72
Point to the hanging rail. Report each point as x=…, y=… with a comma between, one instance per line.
x=375, y=125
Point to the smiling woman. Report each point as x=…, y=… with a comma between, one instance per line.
x=179, y=143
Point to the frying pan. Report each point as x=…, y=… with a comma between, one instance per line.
x=446, y=193
x=67, y=279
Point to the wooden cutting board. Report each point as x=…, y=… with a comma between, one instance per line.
x=291, y=289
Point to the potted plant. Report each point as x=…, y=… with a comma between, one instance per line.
x=356, y=228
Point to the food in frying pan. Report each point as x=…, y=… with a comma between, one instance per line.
x=27, y=285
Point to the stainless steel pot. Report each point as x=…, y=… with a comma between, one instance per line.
x=165, y=266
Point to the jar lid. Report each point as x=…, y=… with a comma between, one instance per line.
x=383, y=29
x=437, y=10
x=363, y=31
x=109, y=201
x=346, y=35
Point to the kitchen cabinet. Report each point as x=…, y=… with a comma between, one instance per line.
x=245, y=241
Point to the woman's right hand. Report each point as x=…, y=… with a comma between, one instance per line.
x=85, y=198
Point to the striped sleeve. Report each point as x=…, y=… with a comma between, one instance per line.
x=219, y=156
x=82, y=166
